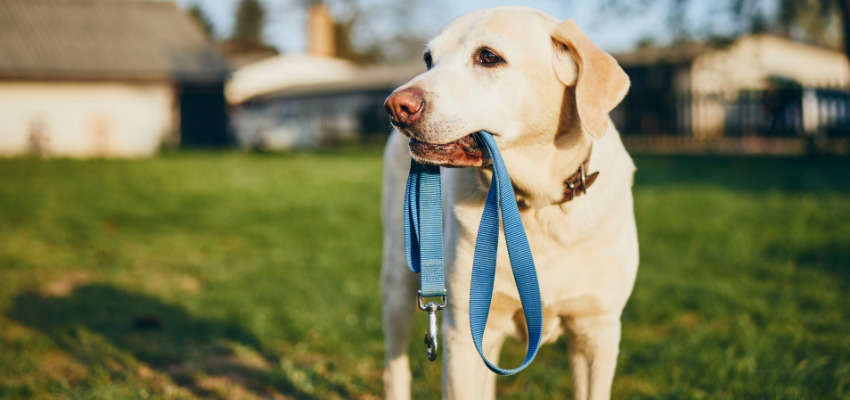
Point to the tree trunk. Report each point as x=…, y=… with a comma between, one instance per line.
x=844, y=6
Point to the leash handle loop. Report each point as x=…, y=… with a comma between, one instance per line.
x=484, y=262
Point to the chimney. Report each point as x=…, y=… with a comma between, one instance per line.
x=320, y=31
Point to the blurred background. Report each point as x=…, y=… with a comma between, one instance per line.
x=190, y=194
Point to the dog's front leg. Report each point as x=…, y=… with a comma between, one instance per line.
x=593, y=347
x=399, y=296
x=398, y=289
x=465, y=377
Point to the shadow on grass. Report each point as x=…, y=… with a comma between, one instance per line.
x=209, y=358
x=750, y=174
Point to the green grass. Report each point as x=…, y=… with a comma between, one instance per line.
x=228, y=276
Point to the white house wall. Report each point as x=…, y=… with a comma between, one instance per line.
x=85, y=119
x=749, y=62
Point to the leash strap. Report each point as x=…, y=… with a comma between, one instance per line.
x=423, y=248
x=423, y=228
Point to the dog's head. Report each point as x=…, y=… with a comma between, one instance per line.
x=512, y=71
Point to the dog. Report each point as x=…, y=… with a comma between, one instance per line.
x=544, y=91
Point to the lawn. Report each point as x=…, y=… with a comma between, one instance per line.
x=228, y=275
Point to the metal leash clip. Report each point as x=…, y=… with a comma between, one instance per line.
x=431, y=335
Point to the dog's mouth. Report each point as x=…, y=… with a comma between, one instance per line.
x=467, y=151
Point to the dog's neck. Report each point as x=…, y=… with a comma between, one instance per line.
x=541, y=170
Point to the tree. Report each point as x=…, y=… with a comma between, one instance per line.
x=246, y=42
x=844, y=9
x=200, y=17
x=810, y=20
x=817, y=14
x=248, y=30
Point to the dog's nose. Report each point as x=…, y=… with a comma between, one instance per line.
x=405, y=107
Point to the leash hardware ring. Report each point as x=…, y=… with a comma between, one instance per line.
x=431, y=336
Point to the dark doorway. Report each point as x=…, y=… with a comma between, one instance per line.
x=203, y=116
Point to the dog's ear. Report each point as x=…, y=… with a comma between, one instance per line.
x=600, y=82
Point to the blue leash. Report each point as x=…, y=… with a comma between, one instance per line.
x=423, y=245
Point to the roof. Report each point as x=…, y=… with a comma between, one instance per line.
x=305, y=74
x=377, y=77
x=281, y=72
x=103, y=39
x=757, y=61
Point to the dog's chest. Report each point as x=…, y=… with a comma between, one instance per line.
x=562, y=251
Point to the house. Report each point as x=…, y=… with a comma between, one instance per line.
x=306, y=101
x=313, y=99
x=756, y=85
x=106, y=78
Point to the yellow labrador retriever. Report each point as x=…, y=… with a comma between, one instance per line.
x=544, y=90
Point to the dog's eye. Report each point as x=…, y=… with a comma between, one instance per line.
x=488, y=58
x=427, y=59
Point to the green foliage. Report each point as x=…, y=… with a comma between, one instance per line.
x=202, y=19
x=256, y=276
x=815, y=21
x=250, y=19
